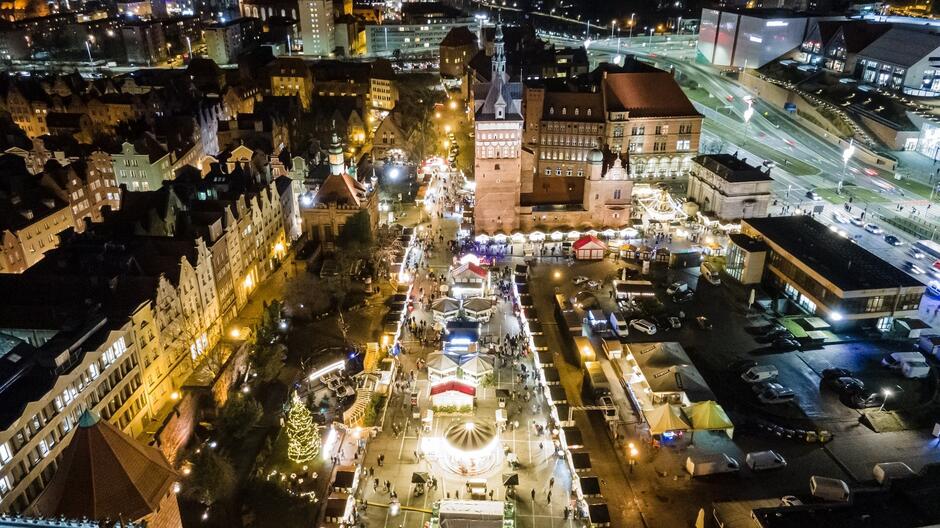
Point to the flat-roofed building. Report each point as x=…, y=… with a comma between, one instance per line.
x=827, y=274
x=728, y=187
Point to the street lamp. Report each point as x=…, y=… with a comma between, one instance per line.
x=632, y=17
x=679, y=26
x=613, y=25
x=846, y=156
x=748, y=114
x=88, y=48
x=887, y=393
x=652, y=29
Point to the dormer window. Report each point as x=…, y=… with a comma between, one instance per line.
x=577, y=111
x=589, y=112
x=564, y=110
x=551, y=110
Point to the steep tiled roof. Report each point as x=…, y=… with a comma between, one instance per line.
x=646, y=95
x=105, y=474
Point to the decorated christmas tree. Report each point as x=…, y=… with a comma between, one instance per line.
x=303, y=437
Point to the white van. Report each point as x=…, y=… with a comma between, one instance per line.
x=915, y=369
x=829, y=489
x=710, y=274
x=891, y=470
x=763, y=460
x=701, y=465
x=619, y=325
x=760, y=373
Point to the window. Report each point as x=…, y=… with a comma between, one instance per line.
x=683, y=144
x=558, y=172
x=617, y=194
x=548, y=172
x=5, y=454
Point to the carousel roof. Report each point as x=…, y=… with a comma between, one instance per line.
x=470, y=435
x=478, y=304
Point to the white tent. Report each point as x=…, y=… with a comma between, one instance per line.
x=441, y=366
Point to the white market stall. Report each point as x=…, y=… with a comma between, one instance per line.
x=589, y=247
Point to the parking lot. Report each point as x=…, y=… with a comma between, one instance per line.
x=730, y=340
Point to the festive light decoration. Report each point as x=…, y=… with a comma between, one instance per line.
x=303, y=437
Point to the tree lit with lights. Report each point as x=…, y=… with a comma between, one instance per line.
x=303, y=438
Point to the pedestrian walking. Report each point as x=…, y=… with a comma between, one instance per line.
x=551, y=482
x=533, y=494
x=549, y=496
x=375, y=485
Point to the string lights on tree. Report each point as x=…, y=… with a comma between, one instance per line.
x=303, y=437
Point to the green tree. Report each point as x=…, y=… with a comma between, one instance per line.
x=240, y=414
x=357, y=231
x=212, y=478
x=268, y=359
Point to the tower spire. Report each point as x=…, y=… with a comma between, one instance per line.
x=499, y=52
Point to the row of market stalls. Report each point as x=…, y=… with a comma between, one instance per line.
x=566, y=437
x=670, y=392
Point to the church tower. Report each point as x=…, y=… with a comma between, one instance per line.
x=608, y=190
x=497, y=162
x=335, y=156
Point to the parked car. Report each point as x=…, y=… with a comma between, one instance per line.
x=790, y=500
x=677, y=287
x=675, y=322
x=857, y=221
x=846, y=385
x=813, y=195
x=764, y=460
x=709, y=464
x=840, y=218
x=741, y=366
x=683, y=297
x=579, y=280
x=759, y=373
x=703, y=323
x=776, y=395
x=593, y=285
x=644, y=326
x=784, y=344
x=916, y=253
x=835, y=372
x=874, y=229
x=866, y=400
x=893, y=240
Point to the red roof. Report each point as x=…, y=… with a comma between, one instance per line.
x=470, y=266
x=453, y=385
x=588, y=240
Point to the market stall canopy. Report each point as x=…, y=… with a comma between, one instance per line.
x=590, y=485
x=581, y=461
x=420, y=477
x=468, y=271
x=573, y=437
x=476, y=366
x=441, y=362
x=709, y=416
x=446, y=305
x=666, y=418
x=477, y=305
x=589, y=242
x=511, y=479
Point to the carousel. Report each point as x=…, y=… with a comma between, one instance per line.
x=658, y=205
x=470, y=447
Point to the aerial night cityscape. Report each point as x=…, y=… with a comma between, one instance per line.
x=469, y=263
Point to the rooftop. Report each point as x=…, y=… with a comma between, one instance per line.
x=902, y=47
x=646, y=95
x=731, y=168
x=847, y=265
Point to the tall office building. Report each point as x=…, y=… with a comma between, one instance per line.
x=316, y=26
